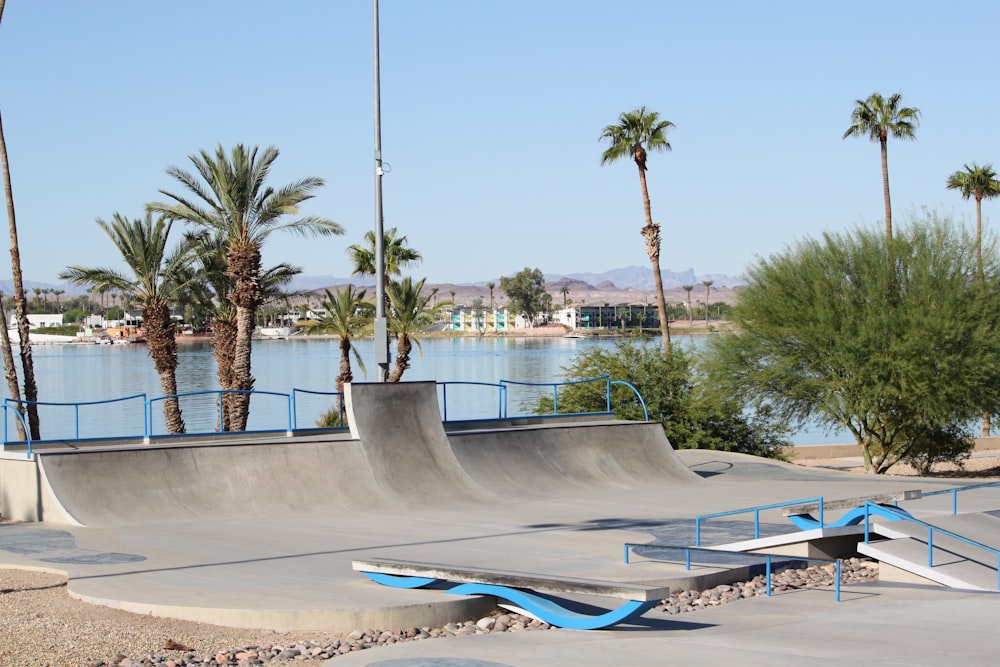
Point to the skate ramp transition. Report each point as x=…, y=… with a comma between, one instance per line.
x=398, y=456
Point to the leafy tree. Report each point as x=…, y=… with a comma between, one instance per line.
x=821, y=337
x=878, y=118
x=411, y=313
x=526, y=292
x=74, y=315
x=978, y=183
x=693, y=416
x=346, y=315
x=232, y=199
x=155, y=279
x=636, y=133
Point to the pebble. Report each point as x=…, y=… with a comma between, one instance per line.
x=35, y=605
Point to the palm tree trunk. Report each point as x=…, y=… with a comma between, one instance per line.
x=651, y=232
x=885, y=195
x=986, y=427
x=225, y=346
x=242, y=379
x=162, y=347
x=10, y=371
x=403, y=349
x=20, y=304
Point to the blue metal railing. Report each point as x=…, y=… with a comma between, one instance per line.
x=768, y=558
x=958, y=489
x=339, y=395
x=20, y=418
x=145, y=419
x=756, y=515
x=893, y=513
x=606, y=379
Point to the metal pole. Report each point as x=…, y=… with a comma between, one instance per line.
x=381, y=328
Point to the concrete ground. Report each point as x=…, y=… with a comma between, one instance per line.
x=564, y=507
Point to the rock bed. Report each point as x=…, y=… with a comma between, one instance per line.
x=75, y=633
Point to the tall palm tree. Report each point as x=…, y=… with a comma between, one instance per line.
x=397, y=254
x=878, y=118
x=232, y=199
x=154, y=282
x=565, y=293
x=979, y=183
x=708, y=293
x=20, y=303
x=636, y=133
x=213, y=297
x=490, y=286
x=347, y=316
x=411, y=313
x=687, y=301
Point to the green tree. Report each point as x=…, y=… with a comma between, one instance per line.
x=878, y=118
x=708, y=293
x=822, y=338
x=232, y=199
x=692, y=414
x=978, y=183
x=636, y=133
x=346, y=315
x=411, y=313
x=526, y=292
x=153, y=283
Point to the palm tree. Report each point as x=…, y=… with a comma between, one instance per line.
x=410, y=314
x=565, y=293
x=877, y=118
x=232, y=200
x=153, y=285
x=687, y=301
x=20, y=304
x=490, y=286
x=979, y=183
x=708, y=292
x=397, y=254
x=347, y=316
x=637, y=132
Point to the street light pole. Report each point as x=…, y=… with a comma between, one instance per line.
x=381, y=328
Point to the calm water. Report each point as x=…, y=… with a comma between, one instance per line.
x=93, y=373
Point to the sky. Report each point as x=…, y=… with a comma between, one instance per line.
x=491, y=116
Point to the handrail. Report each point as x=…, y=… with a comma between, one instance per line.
x=20, y=418
x=501, y=395
x=756, y=515
x=955, y=491
x=341, y=403
x=687, y=560
x=76, y=410
x=555, y=388
x=642, y=401
x=893, y=513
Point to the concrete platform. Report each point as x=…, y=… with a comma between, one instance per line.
x=263, y=535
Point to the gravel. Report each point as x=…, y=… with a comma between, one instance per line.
x=43, y=626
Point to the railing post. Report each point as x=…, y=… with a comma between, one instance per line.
x=866, y=521
x=822, y=524
x=768, y=575
x=687, y=559
x=291, y=422
x=930, y=546
x=76, y=419
x=954, y=501
x=836, y=587
x=626, y=553
x=697, y=531
x=756, y=524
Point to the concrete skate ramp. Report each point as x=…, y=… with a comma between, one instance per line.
x=405, y=443
x=217, y=481
x=569, y=459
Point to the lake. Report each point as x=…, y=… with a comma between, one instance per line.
x=79, y=372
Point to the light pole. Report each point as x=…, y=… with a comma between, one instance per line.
x=381, y=328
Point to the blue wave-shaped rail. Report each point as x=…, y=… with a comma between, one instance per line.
x=533, y=605
x=852, y=517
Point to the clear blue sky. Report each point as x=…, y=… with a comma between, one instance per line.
x=491, y=114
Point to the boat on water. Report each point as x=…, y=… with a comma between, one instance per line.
x=276, y=333
x=575, y=334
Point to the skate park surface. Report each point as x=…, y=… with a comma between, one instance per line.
x=264, y=534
